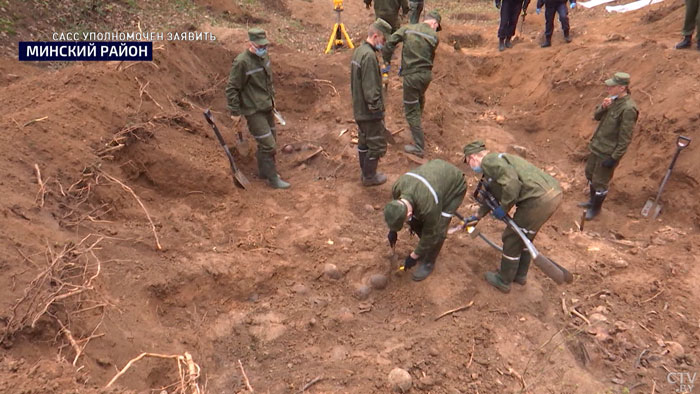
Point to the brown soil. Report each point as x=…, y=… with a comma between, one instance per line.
x=240, y=276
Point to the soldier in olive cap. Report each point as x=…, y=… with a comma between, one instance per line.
x=389, y=11
x=250, y=93
x=427, y=197
x=691, y=24
x=368, y=103
x=514, y=181
x=617, y=115
x=420, y=41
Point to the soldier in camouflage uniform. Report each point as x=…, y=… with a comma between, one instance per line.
x=427, y=197
x=514, y=181
x=389, y=11
x=617, y=115
x=420, y=41
x=691, y=24
x=416, y=8
x=368, y=103
x=250, y=93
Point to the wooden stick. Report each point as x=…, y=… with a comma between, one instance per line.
x=245, y=377
x=139, y=357
x=577, y=313
x=471, y=356
x=563, y=307
x=35, y=121
x=65, y=331
x=42, y=186
x=654, y=296
x=451, y=311
x=311, y=383
x=310, y=156
x=148, y=216
x=653, y=386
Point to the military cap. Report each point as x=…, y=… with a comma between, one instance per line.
x=473, y=147
x=395, y=215
x=435, y=15
x=383, y=26
x=619, y=79
x=258, y=36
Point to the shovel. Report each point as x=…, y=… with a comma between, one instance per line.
x=238, y=178
x=654, y=205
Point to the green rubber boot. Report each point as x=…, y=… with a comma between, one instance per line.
x=270, y=173
x=427, y=264
x=523, y=267
x=414, y=150
x=591, y=194
x=503, y=278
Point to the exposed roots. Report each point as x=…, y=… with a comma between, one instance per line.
x=188, y=373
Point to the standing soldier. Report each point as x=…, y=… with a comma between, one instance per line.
x=389, y=11
x=617, y=115
x=427, y=197
x=514, y=181
x=250, y=93
x=692, y=23
x=415, y=7
x=368, y=103
x=555, y=7
x=420, y=41
x=510, y=11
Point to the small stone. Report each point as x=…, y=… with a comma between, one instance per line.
x=621, y=326
x=618, y=381
x=597, y=318
x=362, y=292
x=400, y=380
x=619, y=263
x=519, y=150
x=474, y=376
x=433, y=352
x=675, y=349
x=338, y=353
x=500, y=119
x=300, y=289
x=344, y=315
x=331, y=271
x=378, y=281
x=103, y=362
x=369, y=208
x=426, y=382
x=345, y=241
x=288, y=148
x=312, y=322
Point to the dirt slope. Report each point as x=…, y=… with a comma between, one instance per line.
x=240, y=273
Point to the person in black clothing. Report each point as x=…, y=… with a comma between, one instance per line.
x=510, y=12
x=555, y=7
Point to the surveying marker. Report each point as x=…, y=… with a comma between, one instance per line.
x=339, y=31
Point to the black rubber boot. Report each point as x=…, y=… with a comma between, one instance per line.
x=567, y=37
x=504, y=277
x=547, y=42
x=259, y=157
x=370, y=176
x=594, y=210
x=501, y=44
x=508, y=43
x=270, y=172
x=523, y=267
x=685, y=42
x=362, y=156
x=591, y=194
x=427, y=264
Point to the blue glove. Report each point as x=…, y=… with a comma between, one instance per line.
x=609, y=163
x=387, y=69
x=537, y=11
x=499, y=213
x=573, y=5
x=497, y=3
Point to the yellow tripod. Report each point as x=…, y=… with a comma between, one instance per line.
x=339, y=31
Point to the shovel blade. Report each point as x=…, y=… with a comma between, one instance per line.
x=241, y=180
x=646, y=209
x=657, y=210
x=553, y=270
